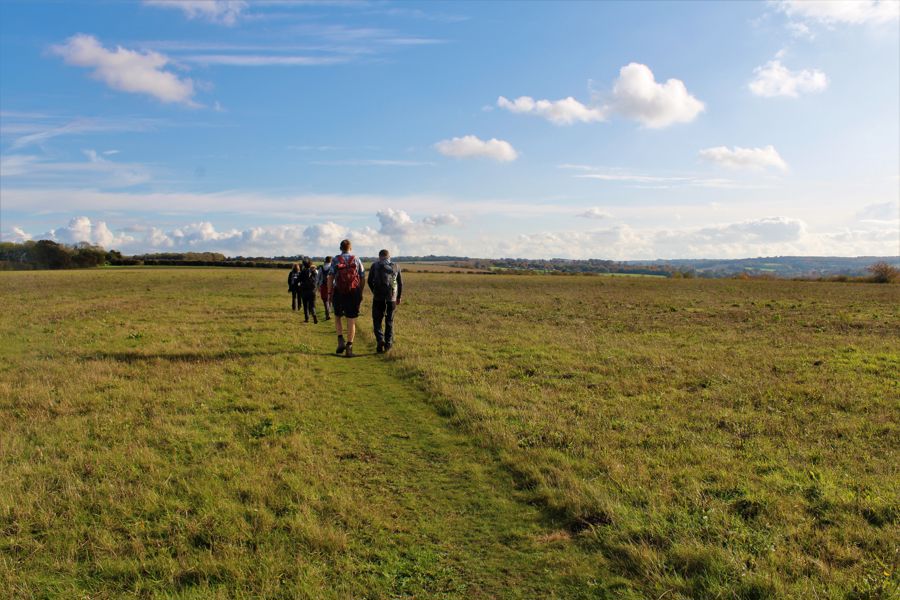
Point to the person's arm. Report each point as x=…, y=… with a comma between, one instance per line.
x=371, y=278
x=399, y=284
x=362, y=274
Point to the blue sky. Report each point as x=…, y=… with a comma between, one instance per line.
x=605, y=130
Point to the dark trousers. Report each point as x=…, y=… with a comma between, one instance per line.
x=295, y=299
x=309, y=304
x=383, y=310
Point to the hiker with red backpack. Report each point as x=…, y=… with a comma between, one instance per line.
x=386, y=284
x=345, y=289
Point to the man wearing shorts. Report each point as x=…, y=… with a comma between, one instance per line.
x=345, y=288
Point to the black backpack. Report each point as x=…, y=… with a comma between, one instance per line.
x=384, y=280
x=308, y=279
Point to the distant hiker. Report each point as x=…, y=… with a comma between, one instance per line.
x=293, y=286
x=387, y=287
x=345, y=288
x=324, y=268
x=308, y=279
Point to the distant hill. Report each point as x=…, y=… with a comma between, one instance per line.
x=778, y=266
x=775, y=266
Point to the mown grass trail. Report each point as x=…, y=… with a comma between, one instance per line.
x=180, y=433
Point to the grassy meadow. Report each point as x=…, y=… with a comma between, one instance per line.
x=180, y=433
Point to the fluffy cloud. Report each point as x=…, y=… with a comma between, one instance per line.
x=774, y=79
x=17, y=235
x=398, y=232
x=82, y=229
x=594, y=213
x=882, y=212
x=745, y=158
x=637, y=95
x=224, y=12
x=559, y=112
x=472, y=147
x=442, y=219
x=404, y=235
x=832, y=12
x=768, y=236
x=399, y=225
x=127, y=70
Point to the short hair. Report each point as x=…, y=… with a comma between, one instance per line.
x=296, y=267
x=328, y=259
x=307, y=261
x=384, y=254
x=346, y=246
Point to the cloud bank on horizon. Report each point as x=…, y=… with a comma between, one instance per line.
x=264, y=128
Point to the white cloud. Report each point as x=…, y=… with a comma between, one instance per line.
x=38, y=133
x=127, y=70
x=559, y=112
x=441, y=219
x=832, y=12
x=82, y=229
x=637, y=95
x=644, y=181
x=774, y=79
x=97, y=171
x=882, y=212
x=18, y=236
x=224, y=12
x=800, y=30
x=594, y=213
x=472, y=147
x=402, y=234
x=12, y=165
x=768, y=236
x=398, y=231
x=745, y=158
x=398, y=224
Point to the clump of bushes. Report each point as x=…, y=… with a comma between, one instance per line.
x=882, y=272
x=47, y=254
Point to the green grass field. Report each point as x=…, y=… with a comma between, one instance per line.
x=180, y=433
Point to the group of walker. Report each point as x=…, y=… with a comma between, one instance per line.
x=339, y=282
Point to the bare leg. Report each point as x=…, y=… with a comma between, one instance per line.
x=339, y=325
x=351, y=329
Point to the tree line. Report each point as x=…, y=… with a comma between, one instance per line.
x=47, y=254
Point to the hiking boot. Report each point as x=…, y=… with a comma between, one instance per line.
x=387, y=347
x=315, y=320
x=341, y=346
x=306, y=320
x=380, y=348
x=349, y=352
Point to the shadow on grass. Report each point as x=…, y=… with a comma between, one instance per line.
x=211, y=357
x=189, y=357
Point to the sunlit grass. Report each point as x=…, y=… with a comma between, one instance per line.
x=179, y=432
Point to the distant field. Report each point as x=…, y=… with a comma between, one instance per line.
x=438, y=267
x=179, y=432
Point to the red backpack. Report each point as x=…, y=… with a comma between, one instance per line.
x=346, y=279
